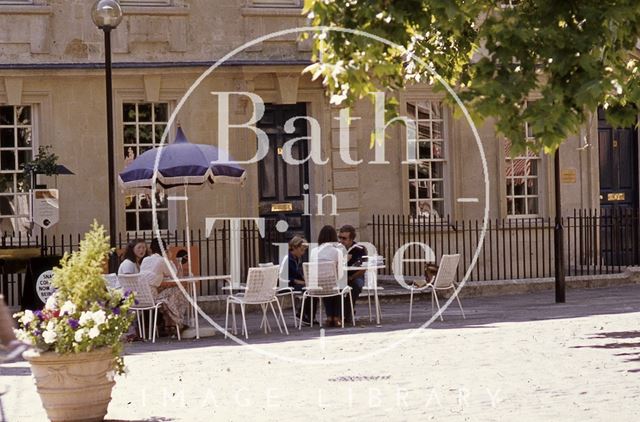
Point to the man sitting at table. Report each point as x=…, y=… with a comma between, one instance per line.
x=154, y=270
x=355, y=255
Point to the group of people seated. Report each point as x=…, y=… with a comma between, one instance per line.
x=331, y=247
x=154, y=269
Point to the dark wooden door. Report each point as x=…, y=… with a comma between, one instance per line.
x=618, y=151
x=282, y=186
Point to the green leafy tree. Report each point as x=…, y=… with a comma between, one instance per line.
x=571, y=56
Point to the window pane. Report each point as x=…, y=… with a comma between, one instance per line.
x=131, y=221
x=7, y=138
x=24, y=138
x=6, y=115
x=146, y=220
x=144, y=112
x=424, y=130
x=6, y=183
x=144, y=134
x=424, y=110
x=23, y=157
x=158, y=132
x=8, y=160
x=161, y=112
x=129, y=112
x=24, y=115
x=129, y=134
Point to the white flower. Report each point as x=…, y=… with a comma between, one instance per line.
x=94, y=332
x=68, y=308
x=79, y=334
x=99, y=317
x=27, y=317
x=51, y=303
x=85, y=317
x=49, y=336
x=51, y=326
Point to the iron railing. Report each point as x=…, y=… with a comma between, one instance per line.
x=595, y=242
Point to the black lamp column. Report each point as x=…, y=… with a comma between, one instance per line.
x=106, y=15
x=559, y=234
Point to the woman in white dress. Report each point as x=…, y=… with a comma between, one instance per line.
x=154, y=270
x=133, y=255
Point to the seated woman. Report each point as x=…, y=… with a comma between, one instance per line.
x=135, y=252
x=154, y=270
x=328, y=251
x=297, y=249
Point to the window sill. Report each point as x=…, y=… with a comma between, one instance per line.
x=156, y=10
x=273, y=11
x=25, y=10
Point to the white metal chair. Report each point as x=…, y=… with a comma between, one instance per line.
x=444, y=280
x=111, y=280
x=322, y=282
x=145, y=302
x=284, y=290
x=260, y=290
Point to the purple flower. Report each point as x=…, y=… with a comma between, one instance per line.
x=127, y=293
x=135, y=302
x=116, y=311
x=73, y=323
x=38, y=314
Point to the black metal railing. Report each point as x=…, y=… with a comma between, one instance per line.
x=595, y=242
x=213, y=254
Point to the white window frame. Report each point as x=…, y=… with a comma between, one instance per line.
x=17, y=171
x=510, y=195
x=171, y=207
x=445, y=141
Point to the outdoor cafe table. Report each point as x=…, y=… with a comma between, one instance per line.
x=192, y=281
x=371, y=283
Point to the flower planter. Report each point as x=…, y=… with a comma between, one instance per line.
x=73, y=387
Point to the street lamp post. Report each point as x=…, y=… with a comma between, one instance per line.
x=106, y=15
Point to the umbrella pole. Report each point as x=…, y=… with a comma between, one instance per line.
x=186, y=211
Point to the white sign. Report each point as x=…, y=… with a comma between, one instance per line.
x=45, y=207
x=44, y=288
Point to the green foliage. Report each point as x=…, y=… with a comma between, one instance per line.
x=79, y=277
x=570, y=56
x=45, y=162
x=83, y=314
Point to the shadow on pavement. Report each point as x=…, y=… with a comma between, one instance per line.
x=481, y=312
x=618, y=335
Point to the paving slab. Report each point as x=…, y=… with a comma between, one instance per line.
x=516, y=357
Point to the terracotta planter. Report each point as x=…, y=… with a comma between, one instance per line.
x=74, y=387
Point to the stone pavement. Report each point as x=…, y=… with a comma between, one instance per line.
x=518, y=357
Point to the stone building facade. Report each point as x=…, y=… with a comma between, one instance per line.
x=52, y=93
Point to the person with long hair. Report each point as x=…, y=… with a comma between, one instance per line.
x=154, y=270
x=328, y=251
x=135, y=252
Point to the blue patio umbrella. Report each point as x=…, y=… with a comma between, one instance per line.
x=180, y=164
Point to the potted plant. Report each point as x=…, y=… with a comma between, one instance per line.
x=77, y=338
